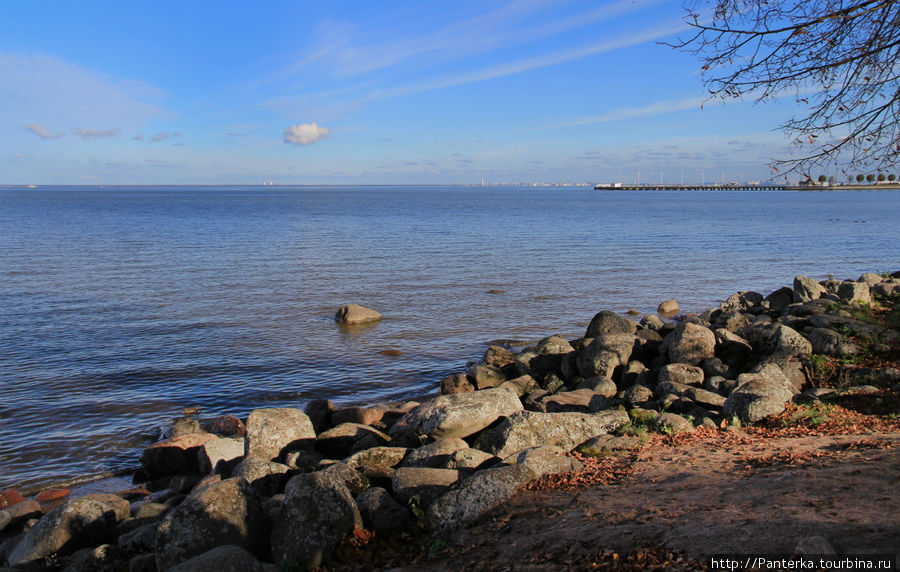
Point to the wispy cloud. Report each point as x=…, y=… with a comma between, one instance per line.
x=91, y=134
x=43, y=132
x=31, y=89
x=656, y=108
x=305, y=133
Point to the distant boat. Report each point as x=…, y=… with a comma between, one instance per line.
x=31, y=187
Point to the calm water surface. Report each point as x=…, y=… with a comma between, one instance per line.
x=121, y=306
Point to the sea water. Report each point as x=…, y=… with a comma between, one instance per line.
x=119, y=307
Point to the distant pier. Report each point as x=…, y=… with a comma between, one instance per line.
x=743, y=187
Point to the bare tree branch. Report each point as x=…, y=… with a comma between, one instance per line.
x=840, y=59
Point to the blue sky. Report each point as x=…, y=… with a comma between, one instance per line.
x=348, y=92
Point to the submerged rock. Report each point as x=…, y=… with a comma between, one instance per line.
x=356, y=314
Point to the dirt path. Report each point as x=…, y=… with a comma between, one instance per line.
x=724, y=493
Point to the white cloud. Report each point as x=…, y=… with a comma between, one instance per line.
x=305, y=133
x=43, y=132
x=89, y=134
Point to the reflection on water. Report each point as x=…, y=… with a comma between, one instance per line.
x=121, y=307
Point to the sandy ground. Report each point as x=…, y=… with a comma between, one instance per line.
x=717, y=493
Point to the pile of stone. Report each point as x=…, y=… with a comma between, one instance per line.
x=285, y=486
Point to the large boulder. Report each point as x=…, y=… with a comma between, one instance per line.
x=274, y=432
x=473, y=497
x=380, y=512
x=531, y=428
x=422, y=484
x=381, y=456
x=607, y=322
x=356, y=314
x=485, y=376
x=177, y=455
x=83, y=522
x=690, y=343
x=604, y=354
x=806, y=289
x=228, y=558
x=318, y=512
x=226, y=512
x=855, y=293
x=580, y=400
x=347, y=438
x=681, y=373
x=266, y=477
x=461, y=414
x=434, y=454
x=545, y=460
x=759, y=395
x=220, y=455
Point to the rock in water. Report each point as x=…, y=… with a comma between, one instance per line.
x=668, y=308
x=355, y=314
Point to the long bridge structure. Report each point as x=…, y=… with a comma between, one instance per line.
x=813, y=186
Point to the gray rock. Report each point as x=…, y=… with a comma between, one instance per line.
x=741, y=302
x=855, y=293
x=20, y=513
x=870, y=278
x=140, y=540
x=456, y=383
x=266, y=477
x=142, y=563
x=347, y=438
x=553, y=345
x=602, y=385
x=580, y=400
x=473, y=497
x=227, y=512
x=486, y=376
x=470, y=459
x=5, y=519
x=607, y=322
x=228, y=558
x=319, y=412
x=652, y=322
x=681, y=373
x=340, y=474
x=529, y=428
x=636, y=373
x=638, y=394
x=176, y=455
x=780, y=299
x=356, y=314
x=464, y=414
x=272, y=433
x=220, y=456
x=434, y=454
x=317, y=514
x=815, y=545
x=380, y=512
x=544, y=460
x=106, y=558
x=886, y=289
x=498, y=357
x=757, y=396
x=789, y=343
x=520, y=386
x=806, y=289
x=604, y=354
x=303, y=461
x=606, y=445
x=672, y=424
x=77, y=523
x=705, y=398
x=426, y=484
x=690, y=343
x=668, y=308
x=383, y=456
x=733, y=321
x=828, y=342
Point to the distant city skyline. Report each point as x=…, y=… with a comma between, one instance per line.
x=362, y=93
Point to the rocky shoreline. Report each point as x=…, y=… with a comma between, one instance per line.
x=284, y=488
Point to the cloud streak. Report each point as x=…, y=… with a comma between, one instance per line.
x=43, y=132
x=91, y=134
